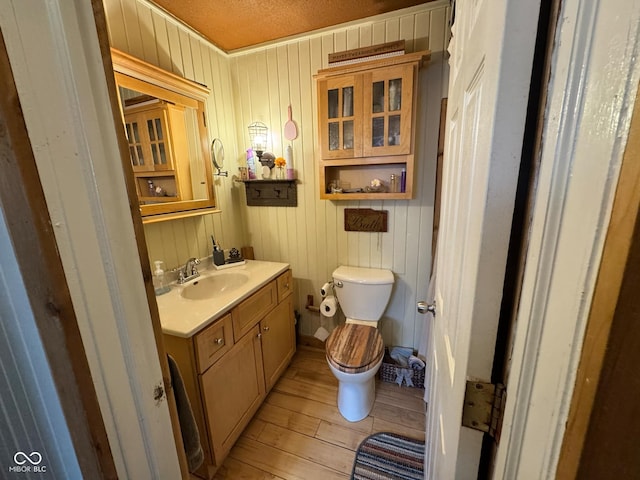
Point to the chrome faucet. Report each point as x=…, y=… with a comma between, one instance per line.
x=189, y=272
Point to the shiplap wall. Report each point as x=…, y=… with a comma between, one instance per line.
x=258, y=85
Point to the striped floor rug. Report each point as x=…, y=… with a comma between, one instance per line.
x=387, y=456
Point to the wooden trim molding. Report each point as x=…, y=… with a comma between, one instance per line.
x=605, y=299
x=133, y=67
x=23, y=203
x=101, y=27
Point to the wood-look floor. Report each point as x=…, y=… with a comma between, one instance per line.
x=298, y=432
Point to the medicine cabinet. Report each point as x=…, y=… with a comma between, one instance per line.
x=164, y=120
x=366, y=119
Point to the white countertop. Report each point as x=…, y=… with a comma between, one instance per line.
x=183, y=317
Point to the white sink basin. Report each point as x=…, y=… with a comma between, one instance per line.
x=210, y=287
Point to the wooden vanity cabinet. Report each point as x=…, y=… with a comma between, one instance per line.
x=366, y=126
x=230, y=365
x=232, y=390
x=278, y=341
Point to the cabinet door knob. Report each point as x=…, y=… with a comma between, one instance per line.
x=259, y=335
x=266, y=328
x=219, y=341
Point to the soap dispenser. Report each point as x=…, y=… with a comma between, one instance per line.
x=159, y=284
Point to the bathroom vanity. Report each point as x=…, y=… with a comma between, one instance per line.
x=232, y=334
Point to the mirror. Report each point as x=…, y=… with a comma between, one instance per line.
x=164, y=121
x=217, y=157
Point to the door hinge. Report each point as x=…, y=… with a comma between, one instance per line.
x=484, y=407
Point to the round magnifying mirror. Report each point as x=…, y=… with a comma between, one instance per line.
x=217, y=156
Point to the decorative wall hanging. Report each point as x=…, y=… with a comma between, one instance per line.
x=365, y=220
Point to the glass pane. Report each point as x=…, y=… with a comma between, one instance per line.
x=136, y=133
x=132, y=153
x=347, y=134
x=347, y=102
x=154, y=154
x=394, y=129
x=163, y=154
x=140, y=156
x=127, y=127
x=377, y=128
x=395, y=94
x=334, y=136
x=152, y=134
x=159, y=129
x=333, y=103
x=377, y=100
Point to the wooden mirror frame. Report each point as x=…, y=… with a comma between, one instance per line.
x=135, y=74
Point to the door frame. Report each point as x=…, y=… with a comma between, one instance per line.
x=587, y=119
x=28, y=225
x=621, y=235
x=61, y=65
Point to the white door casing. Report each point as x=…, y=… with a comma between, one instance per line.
x=491, y=57
x=57, y=66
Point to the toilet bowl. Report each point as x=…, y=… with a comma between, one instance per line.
x=355, y=349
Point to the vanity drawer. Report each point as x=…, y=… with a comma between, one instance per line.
x=213, y=342
x=251, y=310
x=285, y=285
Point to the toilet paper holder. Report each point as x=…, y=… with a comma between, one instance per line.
x=310, y=306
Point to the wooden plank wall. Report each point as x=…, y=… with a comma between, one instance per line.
x=258, y=85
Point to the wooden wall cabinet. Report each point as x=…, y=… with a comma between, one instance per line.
x=230, y=365
x=366, y=118
x=159, y=152
x=165, y=124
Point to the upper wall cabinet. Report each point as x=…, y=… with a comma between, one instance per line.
x=164, y=120
x=366, y=117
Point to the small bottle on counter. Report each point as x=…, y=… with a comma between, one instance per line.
x=159, y=283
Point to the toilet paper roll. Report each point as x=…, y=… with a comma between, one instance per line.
x=329, y=306
x=325, y=290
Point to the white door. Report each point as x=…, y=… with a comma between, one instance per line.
x=490, y=68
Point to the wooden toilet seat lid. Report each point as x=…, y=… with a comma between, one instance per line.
x=353, y=348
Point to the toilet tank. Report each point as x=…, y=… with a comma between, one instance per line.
x=365, y=292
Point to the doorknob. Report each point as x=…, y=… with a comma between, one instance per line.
x=424, y=307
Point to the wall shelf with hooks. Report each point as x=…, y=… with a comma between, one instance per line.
x=271, y=193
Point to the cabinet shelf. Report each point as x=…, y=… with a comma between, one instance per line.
x=366, y=121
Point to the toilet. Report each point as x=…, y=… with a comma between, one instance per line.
x=354, y=350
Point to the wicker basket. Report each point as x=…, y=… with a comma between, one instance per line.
x=389, y=371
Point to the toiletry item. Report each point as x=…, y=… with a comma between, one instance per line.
x=218, y=253
x=288, y=156
x=152, y=188
x=329, y=306
x=218, y=257
x=251, y=166
x=159, y=283
x=403, y=180
x=393, y=183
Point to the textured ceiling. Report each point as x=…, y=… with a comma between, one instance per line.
x=233, y=24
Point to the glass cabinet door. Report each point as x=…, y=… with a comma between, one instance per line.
x=136, y=150
x=157, y=130
x=388, y=111
x=340, y=102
